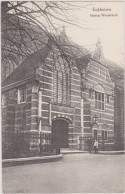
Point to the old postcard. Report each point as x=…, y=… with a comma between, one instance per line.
x=62, y=94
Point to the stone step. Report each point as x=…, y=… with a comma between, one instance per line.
x=71, y=151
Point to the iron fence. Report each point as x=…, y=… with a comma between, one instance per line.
x=104, y=143
x=25, y=144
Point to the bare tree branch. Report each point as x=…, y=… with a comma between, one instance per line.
x=26, y=26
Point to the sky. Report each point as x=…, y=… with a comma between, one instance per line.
x=109, y=29
x=97, y=20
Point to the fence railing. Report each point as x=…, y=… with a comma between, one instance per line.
x=32, y=143
x=100, y=139
x=26, y=144
x=104, y=143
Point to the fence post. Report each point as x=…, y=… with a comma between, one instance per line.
x=81, y=143
x=17, y=143
x=40, y=143
x=103, y=144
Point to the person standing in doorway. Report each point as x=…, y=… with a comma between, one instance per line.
x=96, y=146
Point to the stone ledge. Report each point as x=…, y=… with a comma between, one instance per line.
x=30, y=160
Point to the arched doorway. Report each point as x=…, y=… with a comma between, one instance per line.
x=60, y=133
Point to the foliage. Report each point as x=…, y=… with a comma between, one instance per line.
x=27, y=26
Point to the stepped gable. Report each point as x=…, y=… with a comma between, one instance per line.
x=27, y=68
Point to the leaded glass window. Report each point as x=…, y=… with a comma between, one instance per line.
x=99, y=100
x=61, y=82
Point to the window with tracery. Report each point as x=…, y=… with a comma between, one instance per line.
x=61, y=82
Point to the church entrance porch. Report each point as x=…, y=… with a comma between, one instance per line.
x=60, y=133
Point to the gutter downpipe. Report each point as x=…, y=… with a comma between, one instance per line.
x=82, y=128
x=39, y=116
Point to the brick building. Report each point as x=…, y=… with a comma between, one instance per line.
x=119, y=117
x=45, y=93
x=117, y=75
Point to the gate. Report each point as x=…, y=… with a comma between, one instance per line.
x=46, y=143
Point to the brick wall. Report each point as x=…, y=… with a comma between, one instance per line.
x=70, y=111
x=94, y=77
x=119, y=118
x=8, y=111
x=25, y=116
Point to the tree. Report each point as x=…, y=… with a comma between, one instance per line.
x=117, y=76
x=27, y=26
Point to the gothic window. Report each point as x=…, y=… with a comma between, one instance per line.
x=55, y=85
x=65, y=87
x=60, y=86
x=61, y=83
x=10, y=63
